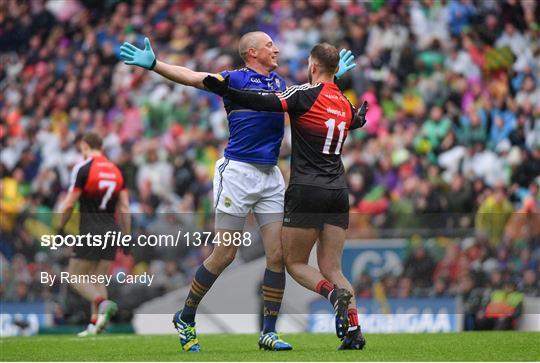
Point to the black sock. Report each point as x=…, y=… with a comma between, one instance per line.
x=333, y=297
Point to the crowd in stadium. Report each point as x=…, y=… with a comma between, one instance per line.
x=453, y=127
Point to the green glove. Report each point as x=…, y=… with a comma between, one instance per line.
x=346, y=62
x=132, y=55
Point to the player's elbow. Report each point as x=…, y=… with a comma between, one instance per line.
x=123, y=203
x=67, y=206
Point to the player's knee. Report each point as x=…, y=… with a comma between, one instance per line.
x=226, y=258
x=287, y=261
x=274, y=258
x=330, y=271
x=290, y=269
x=291, y=266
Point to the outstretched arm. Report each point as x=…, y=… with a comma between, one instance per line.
x=258, y=101
x=146, y=58
x=181, y=74
x=295, y=99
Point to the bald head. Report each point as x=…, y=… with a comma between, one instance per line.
x=254, y=40
x=258, y=51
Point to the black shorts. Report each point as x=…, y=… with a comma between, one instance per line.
x=308, y=206
x=95, y=253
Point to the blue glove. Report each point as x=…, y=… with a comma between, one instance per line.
x=132, y=55
x=346, y=62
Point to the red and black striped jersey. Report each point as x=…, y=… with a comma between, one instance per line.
x=100, y=183
x=321, y=117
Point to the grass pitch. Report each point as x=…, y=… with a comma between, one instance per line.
x=472, y=346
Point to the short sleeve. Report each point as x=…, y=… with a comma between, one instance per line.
x=236, y=78
x=299, y=99
x=224, y=74
x=79, y=175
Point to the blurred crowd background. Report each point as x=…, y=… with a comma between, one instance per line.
x=451, y=149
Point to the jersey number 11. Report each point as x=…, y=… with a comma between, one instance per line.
x=331, y=124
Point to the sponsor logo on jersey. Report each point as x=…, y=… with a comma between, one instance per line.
x=335, y=112
x=254, y=80
x=107, y=175
x=335, y=97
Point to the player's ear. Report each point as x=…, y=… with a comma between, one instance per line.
x=252, y=52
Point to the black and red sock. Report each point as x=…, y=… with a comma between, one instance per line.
x=325, y=288
x=352, y=314
x=98, y=300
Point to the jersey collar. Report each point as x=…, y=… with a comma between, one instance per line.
x=331, y=84
x=260, y=74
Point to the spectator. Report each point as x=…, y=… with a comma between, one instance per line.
x=155, y=172
x=500, y=131
x=472, y=129
x=436, y=128
x=504, y=308
x=449, y=267
x=493, y=214
x=529, y=284
x=453, y=116
x=460, y=201
x=461, y=14
x=419, y=267
x=364, y=286
x=472, y=297
x=513, y=39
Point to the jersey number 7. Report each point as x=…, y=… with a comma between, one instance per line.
x=110, y=185
x=331, y=125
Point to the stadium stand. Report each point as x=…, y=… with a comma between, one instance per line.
x=451, y=150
